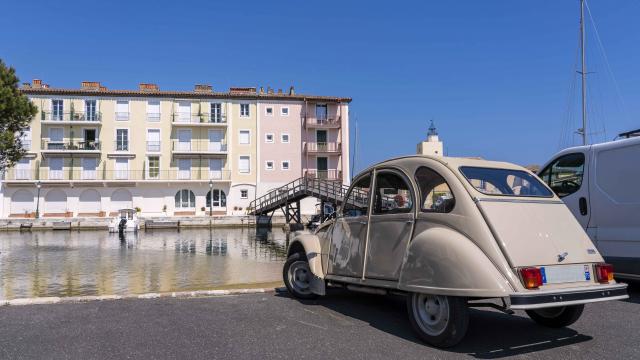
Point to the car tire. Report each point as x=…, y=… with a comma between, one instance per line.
x=440, y=321
x=297, y=276
x=556, y=317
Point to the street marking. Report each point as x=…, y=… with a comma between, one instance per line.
x=314, y=325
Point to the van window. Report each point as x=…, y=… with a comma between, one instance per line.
x=435, y=194
x=393, y=194
x=505, y=182
x=357, y=203
x=564, y=175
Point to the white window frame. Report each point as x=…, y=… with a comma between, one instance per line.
x=266, y=111
x=51, y=115
x=242, y=171
x=96, y=113
x=115, y=137
x=288, y=162
x=266, y=138
x=248, y=131
x=266, y=165
x=159, y=111
x=282, y=138
x=246, y=191
x=159, y=140
x=211, y=113
x=282, y=111
x=148, y=174
x=128, y=112
x=248, y=114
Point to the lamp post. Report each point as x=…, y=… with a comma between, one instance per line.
x=210, y=197
x=38, y=185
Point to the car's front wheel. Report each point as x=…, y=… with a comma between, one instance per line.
x=556, y=317
x=438, y=320
x=297, y=276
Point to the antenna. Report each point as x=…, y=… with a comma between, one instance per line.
x=583, y=74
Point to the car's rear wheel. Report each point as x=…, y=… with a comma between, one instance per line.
x=438, y=320
x=297, y=276
x=556, y=317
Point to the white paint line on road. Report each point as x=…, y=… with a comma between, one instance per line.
x=310, y=324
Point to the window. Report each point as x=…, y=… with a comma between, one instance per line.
x=285, y=165
x=185, y=199
x=435, y=194
x=244, y=194
x=122, y=110
x=90, y=110
x=357, y=203
x=56, y=109
x=216, y=112
x=219, y=198
x=23, y=169
x=268, y=165
x=244, y=164
x=321, y=112
x=244, y=110
x=153, y=110
x=268, y=138
x=268, y=111
x=393, y=194
x=122, y=139
x=564, y=175
x=507, y=182
x=244, y=137
x=122, y=169
x=153, y=171
x=184, y=169
x=284, y=138
x=284, y=111
x=153, y=140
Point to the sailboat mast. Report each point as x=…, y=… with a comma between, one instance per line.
x=583, y=73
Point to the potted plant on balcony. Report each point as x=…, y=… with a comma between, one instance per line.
x=68, y=213
x=138, y=210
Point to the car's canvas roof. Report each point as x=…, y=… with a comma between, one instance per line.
x=452, y=162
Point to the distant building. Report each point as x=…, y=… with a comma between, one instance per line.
x=433, y=145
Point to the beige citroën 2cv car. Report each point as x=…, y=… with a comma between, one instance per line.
x=451, y=233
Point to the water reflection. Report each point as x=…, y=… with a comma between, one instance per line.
x=99, y=263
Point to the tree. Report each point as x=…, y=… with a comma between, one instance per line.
x=16, y=112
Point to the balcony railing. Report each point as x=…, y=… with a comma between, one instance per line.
x=70, y=116
x=332, y=174
x=71, y=145
x=44, y=174
x=153, y=116
x=199, y=146
x=323, y=122
x=153, y=146
x=323, y=147
x=122, y=116
x=121, y=145
x=26, y=144
x=206, y=118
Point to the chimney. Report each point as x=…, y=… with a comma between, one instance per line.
x=103, y=88
x=291, y=91
x=270, y=91
x=148, y=87
x=203, y=88
x=242, y=90
x=261, y=90
x=279, y=91
x=90, y=85
x=36, y=83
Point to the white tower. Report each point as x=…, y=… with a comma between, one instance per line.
x=433, y=145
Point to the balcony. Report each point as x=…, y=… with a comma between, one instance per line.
x=93, y=118
x=190, y=119
x=80, y=146
x=205, y=147
x=332, y=174
x=45, y=175
x=322, y=122
x=323, y=147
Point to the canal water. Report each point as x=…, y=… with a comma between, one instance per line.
x=63, y=263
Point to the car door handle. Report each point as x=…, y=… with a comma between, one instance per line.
x=582, y=204
x=362, y=222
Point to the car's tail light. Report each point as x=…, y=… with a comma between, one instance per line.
x=604, y=273
x=531, y=277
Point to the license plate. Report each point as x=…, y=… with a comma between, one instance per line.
x=565, y=274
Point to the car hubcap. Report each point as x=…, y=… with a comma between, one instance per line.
x=299, y=277
x=431, y=313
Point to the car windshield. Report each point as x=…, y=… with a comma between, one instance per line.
x=505, y=182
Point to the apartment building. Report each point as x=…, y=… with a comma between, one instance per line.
x=93, y=150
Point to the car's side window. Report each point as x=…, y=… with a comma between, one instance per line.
x=392, y=195
x=357, y=203
x=435, y=193
x=564, y=175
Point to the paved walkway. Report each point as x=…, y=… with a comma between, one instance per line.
x=273, y=326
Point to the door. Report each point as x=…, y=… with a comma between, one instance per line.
x=215, y=169
x=390, y=225
x=322, y=166
x=56, y=138
x=184, y=111
x=89, y=168
x=565, y=176
x=321, y=140
x=184, y=169
x=153, y=140
x=215, y=140
x=90, y=139
x=26, y=139
x=349, y=233
x=122, y=169
x=216, y=112
x=122, y=140
x=321, y=113
x=55, y=168
x=184, y=140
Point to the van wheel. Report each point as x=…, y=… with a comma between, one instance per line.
x=297, y=276
x=440, y=321
x=556, y=317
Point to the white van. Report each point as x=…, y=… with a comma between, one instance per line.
x=600, y=184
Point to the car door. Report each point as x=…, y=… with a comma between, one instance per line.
x=567, y=177
x=349, y=232
x=390, y=225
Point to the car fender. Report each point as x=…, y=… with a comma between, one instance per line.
x=310, y=245
x=442, y=261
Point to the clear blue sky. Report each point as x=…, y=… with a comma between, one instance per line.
x=495, y=75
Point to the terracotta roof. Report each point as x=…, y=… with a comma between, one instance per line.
x=182, y=94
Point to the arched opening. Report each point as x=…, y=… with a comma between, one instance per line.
x=55, y=202
x=121, y=199
x=219, y=199
x=89, y=202
x=22, y=201
x=185, y=199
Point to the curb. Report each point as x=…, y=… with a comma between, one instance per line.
x=178, y=295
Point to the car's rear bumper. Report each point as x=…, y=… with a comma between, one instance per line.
x=569, y=296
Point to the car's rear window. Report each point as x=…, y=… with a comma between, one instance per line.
x=505, y=182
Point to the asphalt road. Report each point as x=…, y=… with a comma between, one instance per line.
x=273, y=326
